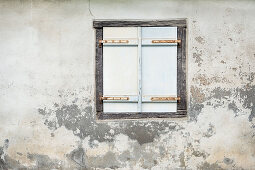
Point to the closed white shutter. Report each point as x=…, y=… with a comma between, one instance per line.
x=136, y=68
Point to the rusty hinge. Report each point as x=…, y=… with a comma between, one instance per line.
x=165, y=98
x=166, y=41
x=114, y=98
x=112, y=41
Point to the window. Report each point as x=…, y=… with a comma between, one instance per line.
x=140, y=69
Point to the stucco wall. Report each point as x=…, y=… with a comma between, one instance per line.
x=47, y=108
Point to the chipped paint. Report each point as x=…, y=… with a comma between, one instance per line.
x=48, y=118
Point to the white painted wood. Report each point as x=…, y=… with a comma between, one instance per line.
x=120, y=68
x=159, y=32
x=142, y=69
x=159, y=69
x=120, y=32
x=120, y=107
x=139, y=69
x=159, y=107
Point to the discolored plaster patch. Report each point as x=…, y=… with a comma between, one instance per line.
x=232, y=106
x=7, y=162
x=220, y=93
x=44, y=161
x=145, y=132
x=80, y=119
x=78, y=156
x=10, y=163
x=208, y=166
x=228, y=161
x=108, y=160
x=196, y=102
x=247, y=98
x=200, y=40
x=182, y=160
x=223, y=62
x=3, y=151
x=203, y=80
x=195, y=110
x=197, y=94
x=210, y=131
x=197, y=57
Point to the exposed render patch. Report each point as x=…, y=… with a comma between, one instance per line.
x=198, y=59
x=195, y=110
x=143, y=133
x=107, y=161
x=197, y=94
x=81, y=120
x=208, y=166
x=210, y=131
x=77, y=119
x=44, y=162
x=3, y=150
x=228, y=161
x=200, y=40
x=247, y=97
x=196, y=106
x=6, y=162
x=203, y=80
x=78, y=156
x=219, y=93
x=182, y=160
x=232, y=106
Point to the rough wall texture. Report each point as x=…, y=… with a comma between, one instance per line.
x=47, y=89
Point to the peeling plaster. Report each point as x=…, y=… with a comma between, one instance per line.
x=47, y=90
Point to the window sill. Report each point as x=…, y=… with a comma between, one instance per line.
x=140, y=115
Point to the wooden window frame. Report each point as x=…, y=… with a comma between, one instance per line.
x=181, y=68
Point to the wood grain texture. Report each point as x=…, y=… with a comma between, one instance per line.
x=140, y=115
x=139, y=23
x=99, y=70
x=181, y=69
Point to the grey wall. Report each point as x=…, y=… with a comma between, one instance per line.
x=47, y=89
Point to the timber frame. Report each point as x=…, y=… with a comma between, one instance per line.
x=181, y=25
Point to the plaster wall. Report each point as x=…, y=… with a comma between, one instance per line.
x=47, y=89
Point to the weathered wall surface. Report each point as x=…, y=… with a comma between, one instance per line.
x=47, y=109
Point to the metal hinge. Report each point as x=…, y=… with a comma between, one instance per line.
x=166, y=41
x=114, y=98
x=165, y=98
x=112, y=41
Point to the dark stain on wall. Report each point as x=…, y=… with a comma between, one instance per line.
x=78, y=156
x=210, y=131
x=208, y=166
x=220, y=93
x=200, y=40
x=195, y=110
x=44, y=161
x=228, y=161
x=247, y=97
x=82, y=121
x=232, y=106
x=106, y=161
x=6, y=162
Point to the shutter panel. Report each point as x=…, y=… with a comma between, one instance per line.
x=120, y=64
x=159, y=68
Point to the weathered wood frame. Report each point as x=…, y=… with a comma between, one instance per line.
x=181, y=68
